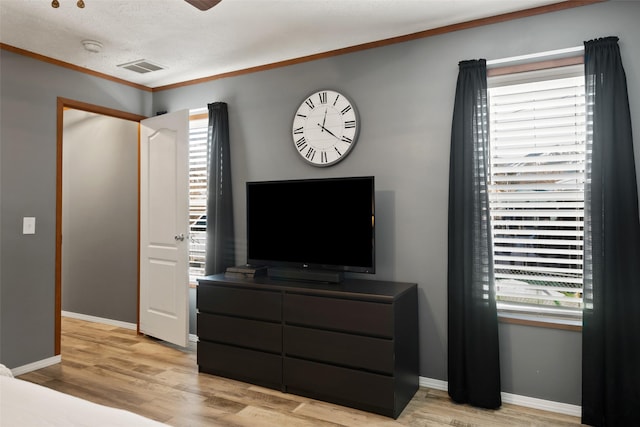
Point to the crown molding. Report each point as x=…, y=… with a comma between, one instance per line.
x=555, y=7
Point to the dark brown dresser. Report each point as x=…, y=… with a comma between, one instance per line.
x=354, y=343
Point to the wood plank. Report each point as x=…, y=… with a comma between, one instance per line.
x=116, y=367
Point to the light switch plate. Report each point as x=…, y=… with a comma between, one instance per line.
x=29, y=225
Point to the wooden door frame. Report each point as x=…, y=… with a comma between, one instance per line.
x=62, y=104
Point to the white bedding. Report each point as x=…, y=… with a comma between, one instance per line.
x=26, y=404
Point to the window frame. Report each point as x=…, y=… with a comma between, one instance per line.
x=501, y=76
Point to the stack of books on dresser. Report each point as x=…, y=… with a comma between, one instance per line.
x=246, y=271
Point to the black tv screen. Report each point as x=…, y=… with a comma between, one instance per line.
x=312, y=223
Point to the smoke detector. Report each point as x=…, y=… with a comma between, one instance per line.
x=92, y=46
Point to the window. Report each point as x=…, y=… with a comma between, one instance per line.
x=198, y=127
x=536, y=191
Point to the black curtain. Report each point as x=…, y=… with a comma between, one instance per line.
x=220, y=235
x=611, y=325
x=473, y=353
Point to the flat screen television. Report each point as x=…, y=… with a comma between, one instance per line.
x=313, y=224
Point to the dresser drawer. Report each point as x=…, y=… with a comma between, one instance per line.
x=254, y=334
x=245, y=365
x=249, y=303
x=362, y=317
x=367, y=353
x=368, y=391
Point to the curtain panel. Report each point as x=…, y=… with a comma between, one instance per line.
x=611, y=323
x=220, y=250
x=473, y=353
x=611, y=329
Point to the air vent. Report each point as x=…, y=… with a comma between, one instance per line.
x=142, y=66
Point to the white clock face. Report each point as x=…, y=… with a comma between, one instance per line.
x=325, y=128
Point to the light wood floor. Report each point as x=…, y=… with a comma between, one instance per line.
x=116, y=367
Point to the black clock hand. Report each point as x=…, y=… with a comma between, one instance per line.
x=324, y=120
x=328, y=131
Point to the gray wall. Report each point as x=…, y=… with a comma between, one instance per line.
x=404, y=94
x=100, y=216
x=29, y=91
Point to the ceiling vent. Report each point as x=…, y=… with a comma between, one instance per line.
x=142, y=66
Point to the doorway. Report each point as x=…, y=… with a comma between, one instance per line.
x=97, y=113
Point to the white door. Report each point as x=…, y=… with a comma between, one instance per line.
x=164, y=227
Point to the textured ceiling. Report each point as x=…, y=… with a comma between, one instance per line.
x=234, y=35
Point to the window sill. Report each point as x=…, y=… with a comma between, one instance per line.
x=540, y=321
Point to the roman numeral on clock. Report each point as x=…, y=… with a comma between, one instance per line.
x=310, y=103
x=323, y=97
x=350, y=124
x=323, y=157
x=301, y=143
x=346, y=109
x=298, y=130
x=346, y=139
x=310, y=153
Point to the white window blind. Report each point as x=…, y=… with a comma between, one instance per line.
x=536, y=191
x=197, y=194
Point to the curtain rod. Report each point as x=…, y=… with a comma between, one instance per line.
x=546, y=54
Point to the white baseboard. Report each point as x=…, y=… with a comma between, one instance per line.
x=36, y=365
x=118, y=323
x=193, y=338
x=515, y=399
x=545, y=405
x=432, y=383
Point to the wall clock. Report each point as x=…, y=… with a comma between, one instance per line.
x=325, y=128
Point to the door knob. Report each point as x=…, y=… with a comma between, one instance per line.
x=179, y=237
